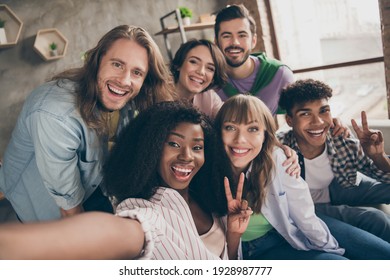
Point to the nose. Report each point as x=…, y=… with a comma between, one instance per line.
x=186, y=154
x=235, y=41
x=125, y=78
x=316, y=120
x=239, y=137
x=201, y=70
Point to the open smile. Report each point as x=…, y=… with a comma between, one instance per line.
x=182, y=173
x=239, y=152
x=316, y=133
x=115, y=90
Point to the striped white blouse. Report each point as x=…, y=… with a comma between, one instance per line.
x=170, y=231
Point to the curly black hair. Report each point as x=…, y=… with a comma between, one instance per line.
x=303, y=91
x=131, y=169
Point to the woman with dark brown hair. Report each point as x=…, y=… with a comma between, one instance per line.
x=198, y=68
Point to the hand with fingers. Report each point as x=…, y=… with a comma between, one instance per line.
x=371, y=140
x=340, y=129
x=292, y=161
x=238, y=211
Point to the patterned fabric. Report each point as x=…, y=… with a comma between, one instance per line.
x=170, y=231
x=346, y=158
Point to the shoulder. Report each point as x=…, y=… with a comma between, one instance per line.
x=278, y=156
x=284, y=73
x=339, y=142
x=53, y=98
x=207, y=95
x=285, y=136
x=162, y=197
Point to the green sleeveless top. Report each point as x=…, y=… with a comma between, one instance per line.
x=257, y=227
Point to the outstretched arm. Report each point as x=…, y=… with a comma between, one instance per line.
x=238, y=217
x=92, y=235
x=372, y=143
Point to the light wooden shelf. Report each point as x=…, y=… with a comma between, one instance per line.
x=13, y=26
x=191, y=27
x=47, y=36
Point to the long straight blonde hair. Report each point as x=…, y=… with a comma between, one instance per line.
x=242, y=109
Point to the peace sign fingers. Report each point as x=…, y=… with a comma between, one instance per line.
x=234, y=204
x=240, y=186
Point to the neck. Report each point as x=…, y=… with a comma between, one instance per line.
x=183, y=93
x=243, y=71
x=238, y=171
x=184, y=193
x=309, y=151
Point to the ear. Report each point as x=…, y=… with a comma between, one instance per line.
x=289, y=120
x=216, y=41
x=254, y=41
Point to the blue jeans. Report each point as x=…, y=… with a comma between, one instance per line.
x=272, y=246
x=369, y=191
x=358, y=244
x=345, y=202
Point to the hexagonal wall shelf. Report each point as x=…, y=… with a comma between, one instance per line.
x=12, y=27
x=46, y=37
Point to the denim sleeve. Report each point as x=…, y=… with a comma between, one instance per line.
x=56, y=141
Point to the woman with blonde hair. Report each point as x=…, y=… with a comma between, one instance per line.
x=284, y=224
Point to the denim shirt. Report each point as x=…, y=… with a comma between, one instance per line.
x=53, y=159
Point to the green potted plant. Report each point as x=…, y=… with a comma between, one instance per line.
x=3, y=37
x=53, y=49
x=186, y=15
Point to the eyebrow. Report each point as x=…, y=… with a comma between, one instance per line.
x=239, y=32
x=200, y=139
x=307, y=109
x=248, y=123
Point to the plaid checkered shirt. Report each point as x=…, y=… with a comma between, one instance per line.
x=346, y=158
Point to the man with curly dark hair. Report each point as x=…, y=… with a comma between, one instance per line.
x=342, y=173
x=163, y=173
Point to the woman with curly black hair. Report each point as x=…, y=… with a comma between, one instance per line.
x=161, y=169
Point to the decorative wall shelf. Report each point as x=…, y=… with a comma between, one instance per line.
x=13, y=26
x=179, y=28
x=44, y=38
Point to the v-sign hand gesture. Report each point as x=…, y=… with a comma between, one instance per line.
x=371, y=140
x=238, y=210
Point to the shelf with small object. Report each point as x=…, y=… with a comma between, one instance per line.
x=10, y=27
x=207, y=21
x=50, y=44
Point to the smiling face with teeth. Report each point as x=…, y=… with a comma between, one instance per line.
x=311, y=122
x=182, y=155
x=196, y=72
x=236, y=41
x=242, y=143
x=122, y=71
